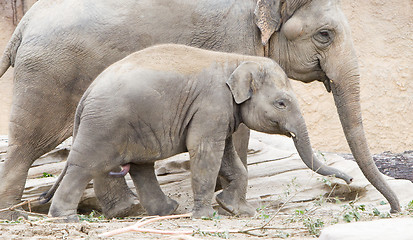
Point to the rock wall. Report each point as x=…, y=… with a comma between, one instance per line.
x=383, y=37
x=6, y=81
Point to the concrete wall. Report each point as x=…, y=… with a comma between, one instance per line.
x=6, y=81
x=383, y=37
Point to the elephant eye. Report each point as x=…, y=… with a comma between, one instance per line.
x=324, y=36
x=324, y=33
x=280, y=104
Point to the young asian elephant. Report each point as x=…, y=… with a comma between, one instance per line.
x=170, y=99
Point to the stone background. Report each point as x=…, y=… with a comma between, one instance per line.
x=383, y=37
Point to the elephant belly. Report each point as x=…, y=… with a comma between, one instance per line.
x=149, y=149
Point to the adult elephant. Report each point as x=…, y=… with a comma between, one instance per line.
x=59, y=47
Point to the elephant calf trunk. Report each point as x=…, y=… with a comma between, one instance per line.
x=307, y=155
x=324, y=170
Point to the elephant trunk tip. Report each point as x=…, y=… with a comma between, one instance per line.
x=348, y=179
x=395, y=209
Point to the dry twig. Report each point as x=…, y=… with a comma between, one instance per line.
x=14, y=207
x=137, y=227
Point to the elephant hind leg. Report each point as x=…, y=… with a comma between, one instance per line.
x=114, y=195
x=151, y=196
x=68, y=194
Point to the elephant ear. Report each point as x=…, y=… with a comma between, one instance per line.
x=241, y=81
x=271, y=14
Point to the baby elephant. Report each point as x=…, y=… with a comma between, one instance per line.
x=170, y=99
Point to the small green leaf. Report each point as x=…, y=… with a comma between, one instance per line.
x=45, y=175
x=376, y=212
x=347, y=217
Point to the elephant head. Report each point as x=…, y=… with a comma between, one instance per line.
x=267, y=104
x=311, y=40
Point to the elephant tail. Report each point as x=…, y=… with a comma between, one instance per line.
x=6, y=60
x=78, y=113
x=10, y=52
x=4, y=64
x=46, y=196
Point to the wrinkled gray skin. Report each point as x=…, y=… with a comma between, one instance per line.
x=59, y=47
x=153, y=104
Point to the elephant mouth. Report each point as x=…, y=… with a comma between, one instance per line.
x=327, y=83
x=324, y=78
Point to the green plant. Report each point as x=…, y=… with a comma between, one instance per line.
x=262, y=213
x=409, y=207
x=224, y=235
x=325, y=180
x=291, y=188
x=46, y=175
x=337, y=200
x=18, y=220
x=322, y=156
x=353, y=211
x=281, y=234
x=94, y=216
x=376, y=212
x=313, y=225
x=215, y=216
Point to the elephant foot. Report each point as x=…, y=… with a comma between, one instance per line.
x=167, y=207
x=203, y=212
x=12, y=215
x=60, y=215
x=125, y=210
x=237, y=208
x=67, y=219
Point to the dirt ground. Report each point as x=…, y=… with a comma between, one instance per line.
x=269, y=223
x=287, y=222
x=92, y=230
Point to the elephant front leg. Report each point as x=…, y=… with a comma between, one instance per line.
x=68, y=194
x=150, y=193
x=233, y=197
x=205, y=163
x=114, y=195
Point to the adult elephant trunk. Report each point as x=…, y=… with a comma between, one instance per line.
x=345, y=85
x=303, y=146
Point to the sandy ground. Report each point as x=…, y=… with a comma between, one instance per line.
x=200, y=228
x=290, y=223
